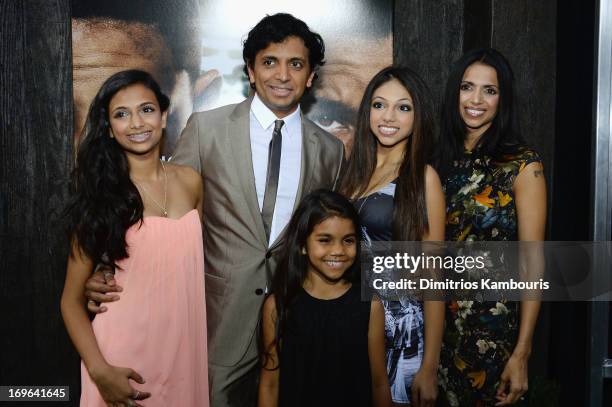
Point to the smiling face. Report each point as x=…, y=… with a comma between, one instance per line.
x=136, y=120
x=281, y=73
x=391, y=114
x=331, y=249
x=478, y=98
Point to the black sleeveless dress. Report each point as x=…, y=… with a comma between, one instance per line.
x=324, y=354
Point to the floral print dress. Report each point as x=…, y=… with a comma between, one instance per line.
x=480, y=336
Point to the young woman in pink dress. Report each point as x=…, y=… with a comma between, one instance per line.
x=142, y=217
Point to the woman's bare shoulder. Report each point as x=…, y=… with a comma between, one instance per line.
x=183, y=173
x=186, y=178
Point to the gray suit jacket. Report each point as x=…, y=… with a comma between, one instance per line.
x=238, y=263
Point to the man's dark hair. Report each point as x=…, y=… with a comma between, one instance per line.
x=176, y=21
x=277, y=28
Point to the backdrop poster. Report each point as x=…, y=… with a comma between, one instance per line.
x=194, y=49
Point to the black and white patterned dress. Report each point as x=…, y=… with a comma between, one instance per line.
x=404, y=337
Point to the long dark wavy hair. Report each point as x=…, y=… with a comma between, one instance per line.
x=105, y=202
x=410, y=210
x=292, y=268
x=503, y=137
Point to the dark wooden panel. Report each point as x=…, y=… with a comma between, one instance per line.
x=525, y=32
x=576, y=28
x=428, y=37
x=35, y=150
x=477, y=24
x=575, y=76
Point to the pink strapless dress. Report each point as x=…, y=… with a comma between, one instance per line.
x=158, y=327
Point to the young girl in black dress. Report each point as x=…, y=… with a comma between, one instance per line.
x=322, y=345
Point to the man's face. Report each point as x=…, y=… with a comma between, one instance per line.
x=351, y=64
x=281, y=73
x=102, y=48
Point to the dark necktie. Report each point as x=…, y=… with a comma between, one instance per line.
x=274, y=156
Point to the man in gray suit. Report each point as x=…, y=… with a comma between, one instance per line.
x=257, y=159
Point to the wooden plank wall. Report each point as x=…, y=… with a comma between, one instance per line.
x=35, y=151
x=427, y=37
x=525, y=32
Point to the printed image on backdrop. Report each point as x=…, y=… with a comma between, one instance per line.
x=194, y=50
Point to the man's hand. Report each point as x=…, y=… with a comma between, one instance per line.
x=99, y=288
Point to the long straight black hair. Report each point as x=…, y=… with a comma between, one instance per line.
x=410, y=210
x=502, y=137
x=105, y=202
x=292, y=268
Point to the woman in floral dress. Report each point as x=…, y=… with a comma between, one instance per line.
x=495, y=191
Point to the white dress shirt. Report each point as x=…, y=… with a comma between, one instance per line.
x=261, y=126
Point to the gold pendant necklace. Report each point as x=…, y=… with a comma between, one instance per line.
x=162, y=207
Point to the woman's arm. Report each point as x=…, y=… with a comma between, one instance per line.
x=425, y=384
x=436, y=206
x=268, y=381
x=530, y=196
x=381, y=393
x=112, y=381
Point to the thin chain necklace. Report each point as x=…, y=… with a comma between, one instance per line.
x=383, y=180
x=377, y=186
x=162, y=207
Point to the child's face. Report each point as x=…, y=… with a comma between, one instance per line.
x=331, y=248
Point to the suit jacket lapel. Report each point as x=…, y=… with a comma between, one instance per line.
x=309, y=164
x=238, y=132
x=310, y=149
